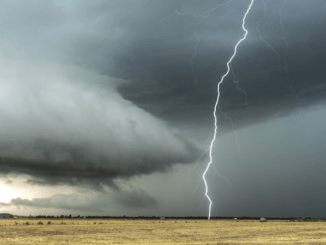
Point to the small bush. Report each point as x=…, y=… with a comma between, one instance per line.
x=40, y=223
x=49, y=222
x=26, y=223
x=16, y=223
x=94, y=223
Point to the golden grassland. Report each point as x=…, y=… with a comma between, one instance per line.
x=89, y=231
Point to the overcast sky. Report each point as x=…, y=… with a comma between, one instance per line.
x=107, y=107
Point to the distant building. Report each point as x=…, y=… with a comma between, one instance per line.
x=263, y=219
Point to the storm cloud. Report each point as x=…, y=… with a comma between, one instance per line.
x=66, y=124
x=162, y=82
x=97, y=94
x=59, y=132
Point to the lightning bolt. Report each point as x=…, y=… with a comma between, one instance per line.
x=202, y=16
x=232, y=125
x=216, y=104
x=193, y=169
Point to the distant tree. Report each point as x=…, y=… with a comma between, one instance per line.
x=69, y=216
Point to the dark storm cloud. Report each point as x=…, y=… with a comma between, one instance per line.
x=161, y=80
x=61, y=133
x=145, y=43
x=86, y=166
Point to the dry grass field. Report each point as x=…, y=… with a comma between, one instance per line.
x=82, y=231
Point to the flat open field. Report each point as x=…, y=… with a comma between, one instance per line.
x=82, y=231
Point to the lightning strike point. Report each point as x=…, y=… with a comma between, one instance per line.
x=216, y=104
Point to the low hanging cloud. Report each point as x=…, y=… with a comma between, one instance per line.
x=136, y=199
x=58, y=128
x=88, y=202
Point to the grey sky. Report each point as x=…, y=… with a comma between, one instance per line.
x=101, y=97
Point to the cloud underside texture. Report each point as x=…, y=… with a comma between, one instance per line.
x=61, y=121
x=59, y=130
